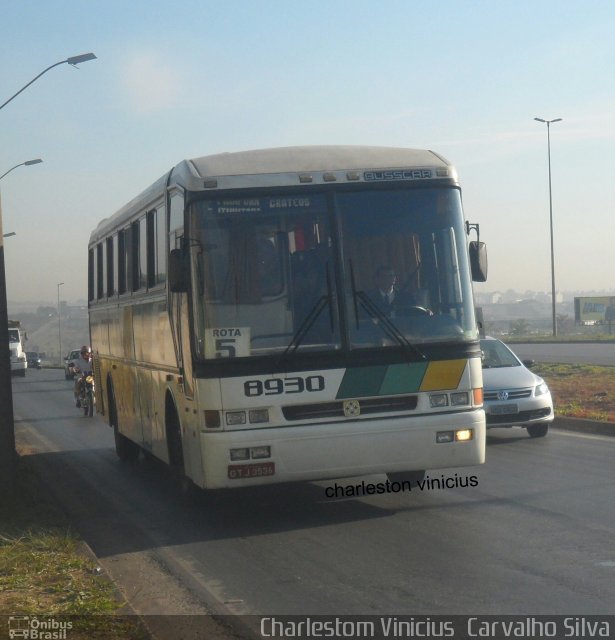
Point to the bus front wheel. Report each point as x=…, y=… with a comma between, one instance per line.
x=188, y=490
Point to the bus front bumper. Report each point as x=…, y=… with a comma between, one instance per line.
x=325, y=451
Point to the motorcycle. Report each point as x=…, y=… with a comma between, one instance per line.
x=87, y=396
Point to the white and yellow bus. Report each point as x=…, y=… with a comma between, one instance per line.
x=237, y=331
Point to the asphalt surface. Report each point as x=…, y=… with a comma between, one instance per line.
x=535, y=536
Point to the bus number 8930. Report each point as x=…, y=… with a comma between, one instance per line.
x=276, y=386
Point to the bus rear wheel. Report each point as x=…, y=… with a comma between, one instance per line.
x=126, y=449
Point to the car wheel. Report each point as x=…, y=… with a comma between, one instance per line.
x=538, y=430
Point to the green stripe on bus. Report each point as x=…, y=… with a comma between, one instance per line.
x=362, y=381
x=396, y=379
x=403, y=378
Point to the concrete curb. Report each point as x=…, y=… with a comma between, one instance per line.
x=584, y=426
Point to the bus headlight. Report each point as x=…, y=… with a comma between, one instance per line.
x=460, y=435
x=460, y=398
x=260, y=452
x=438, y=400
x=235, y=417
x=463, y=435
x=258, y=415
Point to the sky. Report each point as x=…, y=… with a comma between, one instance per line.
x=192, y=78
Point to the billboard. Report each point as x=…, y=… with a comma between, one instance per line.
x=594, y=310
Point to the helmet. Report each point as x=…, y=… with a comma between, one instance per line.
x=85, y=349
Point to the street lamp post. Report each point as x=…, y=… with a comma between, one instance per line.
x=7, y=434
x=7, y=429
x=7, y=426
x=74, y=61
x=27, y=163
x=548, y=123
x=59, y=324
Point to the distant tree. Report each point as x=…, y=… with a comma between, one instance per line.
x=519, y=327
x=565, y=323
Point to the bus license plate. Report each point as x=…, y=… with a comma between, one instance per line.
x=257, y=470
x=504, y=409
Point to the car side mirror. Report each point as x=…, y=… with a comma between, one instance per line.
x=528, y=363
x=478, y=260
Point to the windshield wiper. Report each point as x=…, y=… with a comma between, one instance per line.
x=312, y=316
x=377, y=314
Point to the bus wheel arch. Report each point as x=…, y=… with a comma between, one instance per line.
x=187, y=488
x=173, y=434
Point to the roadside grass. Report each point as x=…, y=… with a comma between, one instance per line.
x=580, y=390
x=45, y=571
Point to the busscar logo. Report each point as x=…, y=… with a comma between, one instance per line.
x=33, y=628
x=397, y=174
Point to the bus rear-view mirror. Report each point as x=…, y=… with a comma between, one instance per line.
x=478, y=261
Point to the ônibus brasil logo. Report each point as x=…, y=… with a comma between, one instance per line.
x=33, y=628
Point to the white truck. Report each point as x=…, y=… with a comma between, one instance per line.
x=17, y=337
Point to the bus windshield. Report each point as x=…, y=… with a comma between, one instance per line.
x=271, y=276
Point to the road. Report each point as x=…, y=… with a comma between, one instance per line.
x=568, y=353
x=535, y=536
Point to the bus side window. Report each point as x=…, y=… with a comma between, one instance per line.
x=91, y=274
x=121, y=261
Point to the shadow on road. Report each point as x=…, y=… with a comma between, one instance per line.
x=122, y=508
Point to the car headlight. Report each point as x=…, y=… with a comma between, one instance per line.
x=541, y=389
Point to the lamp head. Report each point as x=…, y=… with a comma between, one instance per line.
x=84, y=57
x=35, y=161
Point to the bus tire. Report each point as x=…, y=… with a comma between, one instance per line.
x=413, y=477
x=174, y=439
x=188, y=490
x=126, y=450
x=90, y=397
x=538, y=430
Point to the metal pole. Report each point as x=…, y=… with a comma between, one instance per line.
x=548, y=123
x=551, y=231
x=74, y=60
x=7, y=423
x=59, y=325
x=7, y=427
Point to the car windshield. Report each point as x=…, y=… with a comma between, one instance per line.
x=496, y=354
x=286, y=273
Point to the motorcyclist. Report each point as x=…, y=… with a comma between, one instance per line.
x=83, y=367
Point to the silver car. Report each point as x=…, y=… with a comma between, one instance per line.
x=513, y=395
